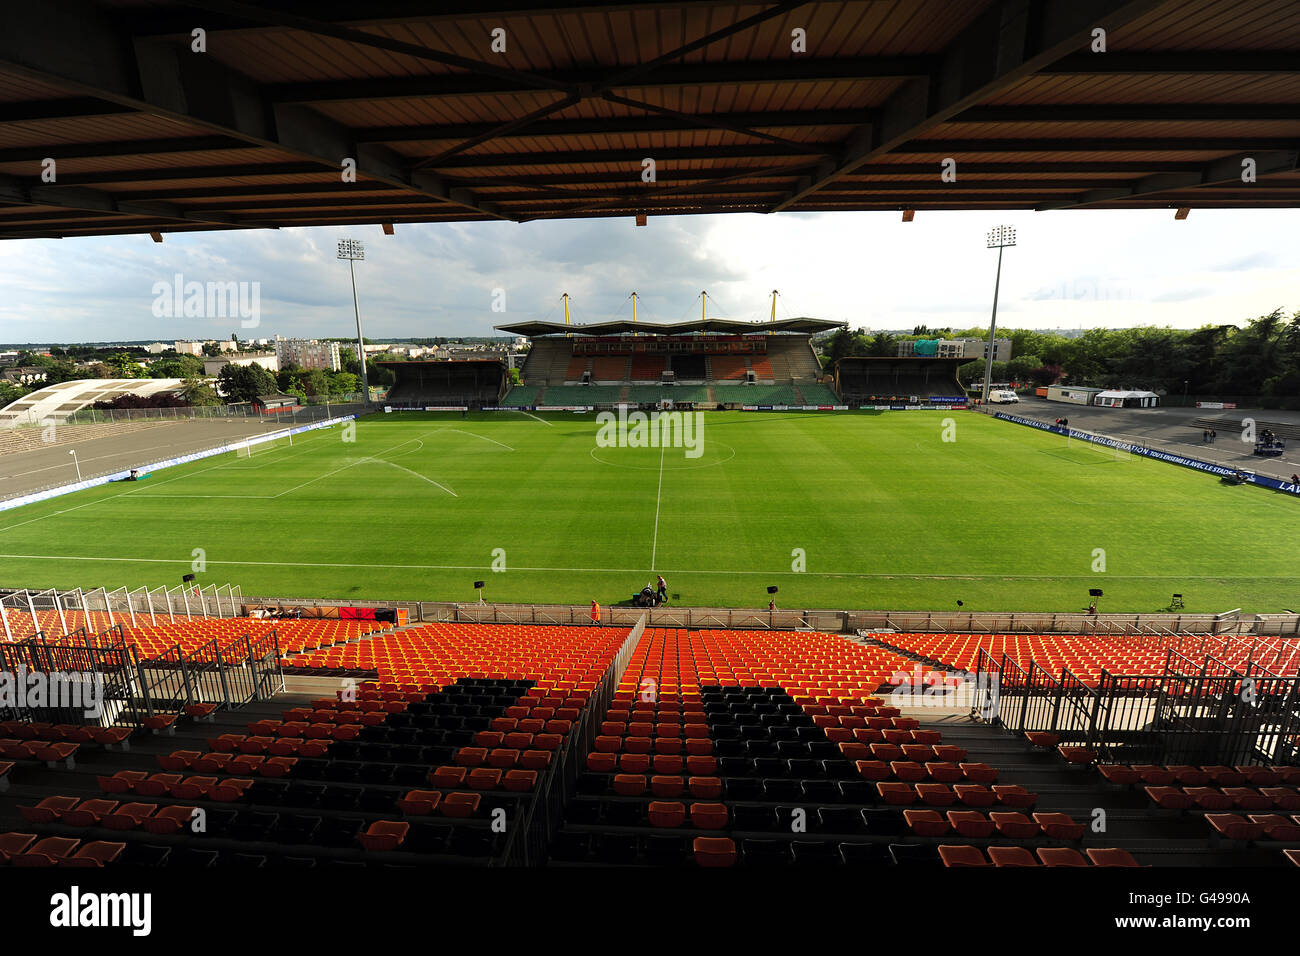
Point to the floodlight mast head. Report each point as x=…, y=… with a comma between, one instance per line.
x=353, y=249
x=1001, y=237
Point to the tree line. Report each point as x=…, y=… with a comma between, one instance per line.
x=1260, y=359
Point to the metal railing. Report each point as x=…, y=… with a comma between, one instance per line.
x=1203, y=714
x=529, y=842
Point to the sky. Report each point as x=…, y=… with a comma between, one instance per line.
x=1071, y=269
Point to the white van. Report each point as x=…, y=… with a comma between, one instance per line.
x=1003, y=396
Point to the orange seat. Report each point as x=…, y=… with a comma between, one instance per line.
x=666, y=813
x=962, y=856
x=709, y=816
x=384, y=835
x=629, y=784
x=714, y=851
x=1061, y=856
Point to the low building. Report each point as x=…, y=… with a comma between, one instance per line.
x=268, y=360
x=24, y=374
x=1071, y=394
x=1126, y=398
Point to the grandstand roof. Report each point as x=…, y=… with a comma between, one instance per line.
x=62, y=399
x=626, y=327
x=255, y=132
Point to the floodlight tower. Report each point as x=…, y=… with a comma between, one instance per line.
x=354, y=250
x=998, y=238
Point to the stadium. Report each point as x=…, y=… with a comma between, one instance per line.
x=678, y=595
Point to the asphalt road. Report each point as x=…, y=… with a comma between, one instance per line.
x=43, y=467
x=1171, y=430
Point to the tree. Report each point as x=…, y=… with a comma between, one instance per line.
x=124, y=366
x=211, y=349
x=182, y=366
x=196, y=392
x=11, y=392
x=243, y=383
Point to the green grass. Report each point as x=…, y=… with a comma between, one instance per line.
x=888, y=514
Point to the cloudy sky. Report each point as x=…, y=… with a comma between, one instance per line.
x=1072, y=269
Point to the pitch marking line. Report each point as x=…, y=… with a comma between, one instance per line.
x=684, y=571
x=536, y=419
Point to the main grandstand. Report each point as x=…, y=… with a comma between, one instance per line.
x=704, y=363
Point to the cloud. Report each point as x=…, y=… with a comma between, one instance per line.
x=1077, y=269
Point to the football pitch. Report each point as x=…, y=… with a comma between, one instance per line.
x=854, y=510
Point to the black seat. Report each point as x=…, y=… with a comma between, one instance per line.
x=781, y=789
x=616, y=848
x=471, y=841
x=267, y=792
x=838, y=769
x=771, y=767
x=743, y=788
x=340, y=798
x=815, y=853
x=856, y=791
x=915, y=855
x=866, y=854
x=343, y=771
x=747, y=816
x=765, y=852
x=377, y=800
x=882, y=822
x=804, y=768
x=295, y=829
x=375, y=772
x=821, y=791
x=300, y=794
x=427, y=837
x=735, y=767
x=570, y=846
x=619, y=813
x=582, y=811
x=839, y=820
x=338, y=832
x=666, y=849
x=252, y=825
x=191, y=858
x=144, y=855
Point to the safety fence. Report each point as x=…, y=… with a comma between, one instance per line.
x=60, y=613
x=1206, y=713
x=1182, y=632
x=102, y=680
